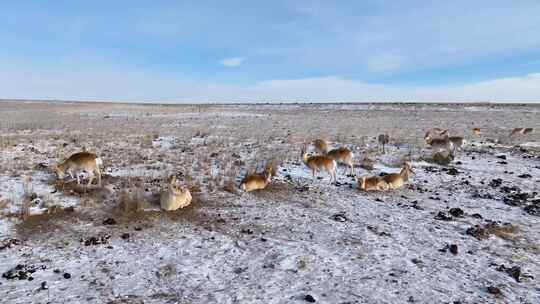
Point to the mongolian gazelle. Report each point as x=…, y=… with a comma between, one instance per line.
x=441, y=142
x=398, y=180
x=522, y=131
x=175, y=197
x=319, y=163
x=372, y=183
x=257, y=181
x=321, y=146
x=78, y=162
x=383, y=140
x=343, y=155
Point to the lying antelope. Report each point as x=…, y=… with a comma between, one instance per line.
x=343, y=155
x=398, y=180
x=321, y=146
x=78, y=162
x=522, y=131
x=372, y=183
x=257, y=181
x=383, y=139
x=175, y=197
x=319, y=163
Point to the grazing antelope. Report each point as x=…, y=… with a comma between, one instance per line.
x=477, y=131
x=319, y=163
x=257, y=181
x=372, y=183
x=343, y=155
x=82, y=161
x=175, y=197
x=383, y=140
x=522, y=131
x=434, y=133
x=321, y=146
x=443, y=143
x=398, y=180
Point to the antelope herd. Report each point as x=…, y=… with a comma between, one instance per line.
x=176, y=196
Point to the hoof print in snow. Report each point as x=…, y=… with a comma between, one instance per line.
x=109, y=221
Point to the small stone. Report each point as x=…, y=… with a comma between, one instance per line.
x=67, y=276
x=453, y=249
x=109, y=221
x=456, y=212
x=494, y=290
x=441, y=216
x=309, y=298
x=125, y=236
x=44, y=285
x=339, y=217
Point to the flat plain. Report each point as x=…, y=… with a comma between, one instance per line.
x=467, y=232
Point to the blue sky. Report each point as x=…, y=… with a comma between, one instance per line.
x=180, y=51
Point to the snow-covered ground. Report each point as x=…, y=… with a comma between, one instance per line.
x=465, y=233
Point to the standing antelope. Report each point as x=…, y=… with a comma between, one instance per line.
x=383, y=140
x=522, y=131
x=319, y=163
x=372, y=183
x=321, y=146
x=398, y=180
x=175, y=197
x=78, y=162
x=457, y=141
x=257, y=181
x=343, y=155
x=477, y=131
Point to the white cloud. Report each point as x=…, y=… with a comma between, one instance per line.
x=232, y=62
x=109, y=84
